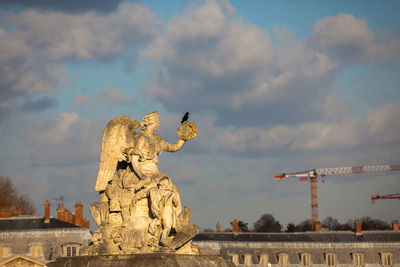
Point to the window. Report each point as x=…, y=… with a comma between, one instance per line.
x=358, y=259
x=248, y=260
x=241, y=258
x=386, y=258
x=235, y=258
x=263, y=259
x=283, y=259
x=71, y=250
x=305, y=259
x=330, y=259
x=256, y=258
x=36, y=251
x=4, y=252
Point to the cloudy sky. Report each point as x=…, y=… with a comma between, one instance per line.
x=274, y=86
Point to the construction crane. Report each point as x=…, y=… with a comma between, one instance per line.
x=391, y=196
x=312, y=175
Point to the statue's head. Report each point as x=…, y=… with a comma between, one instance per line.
x=151, y=119
x=165, y=183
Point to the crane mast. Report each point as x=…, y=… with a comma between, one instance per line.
x=312, y=175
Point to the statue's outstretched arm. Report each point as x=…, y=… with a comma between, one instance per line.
x=173, y=147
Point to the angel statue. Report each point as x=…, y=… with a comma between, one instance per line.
x=140, y=208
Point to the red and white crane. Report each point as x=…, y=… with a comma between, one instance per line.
x=312, y=175
x=390, y=196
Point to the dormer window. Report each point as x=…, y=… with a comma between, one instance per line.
x=386, y=258
x=71, y=249
x=283, y=259
x=4, y=251
x=330, y=259
x=358, y=259
x=305, y=259
x=36, y=250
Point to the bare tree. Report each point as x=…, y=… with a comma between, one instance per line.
x=374, y=224
x=332, y=224
x=10, y=198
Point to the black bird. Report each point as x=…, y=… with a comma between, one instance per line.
x=185, y=117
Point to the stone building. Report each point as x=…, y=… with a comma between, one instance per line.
x=41, y=239
x=323, y=248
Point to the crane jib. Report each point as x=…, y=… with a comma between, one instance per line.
x=312, y=175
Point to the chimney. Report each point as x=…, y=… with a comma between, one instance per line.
x=86, y=223
x=5, y=212
x=47, y=211
x=218, y=227
x=78, y=214
x=358, y=227
x=68, y=216
x=61, y=212
x=235, y=226
x=395, y=225
x=318, y=226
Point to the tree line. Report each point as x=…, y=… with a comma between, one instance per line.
x=268, y=223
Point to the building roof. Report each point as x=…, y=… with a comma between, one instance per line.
x=32, y=223
x=21, y=259
x=329, y=236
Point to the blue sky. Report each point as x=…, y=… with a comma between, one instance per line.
x=274, y=86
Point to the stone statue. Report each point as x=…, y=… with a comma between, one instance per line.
x=140, y=209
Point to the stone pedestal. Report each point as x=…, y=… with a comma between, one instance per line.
x=144, y=260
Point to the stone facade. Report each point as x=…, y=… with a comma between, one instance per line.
x=41, y=238
x=341, y=249
x=44, y=244
x=144, y=260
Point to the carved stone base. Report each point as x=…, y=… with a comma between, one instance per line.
x=144, y=260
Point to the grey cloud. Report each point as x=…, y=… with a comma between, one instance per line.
x=41, y=104
x=23, y=72
x=64, y=139
x=383, y=124
x=87, y=36
x=111, y=96
x=69, y=6
x=36, y=43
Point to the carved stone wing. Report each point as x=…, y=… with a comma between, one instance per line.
x=118, y=135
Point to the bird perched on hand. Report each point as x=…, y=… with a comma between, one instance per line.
x=185, y=117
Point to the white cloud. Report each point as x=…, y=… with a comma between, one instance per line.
x=339, y=132
x=317, y=136
x=349, y=39
x=233, y=69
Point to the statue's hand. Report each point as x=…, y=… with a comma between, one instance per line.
x=187, y=131
x=143, y=183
